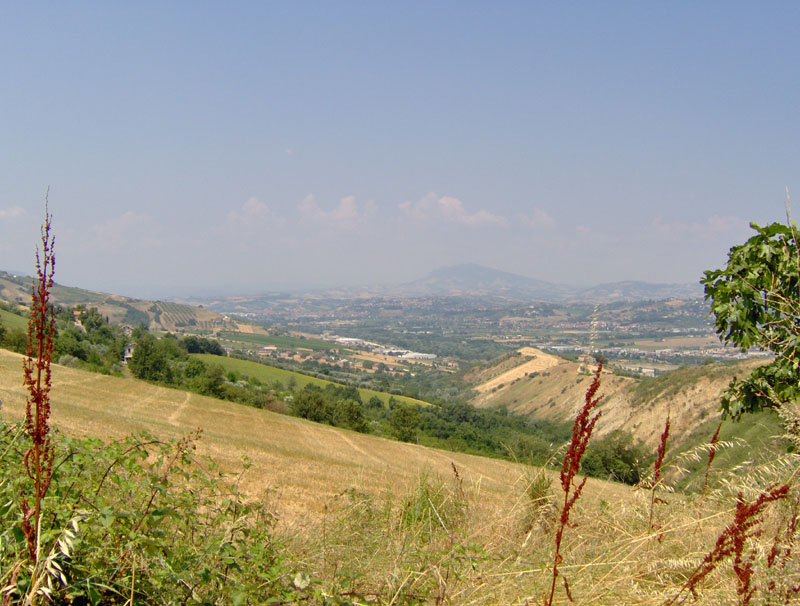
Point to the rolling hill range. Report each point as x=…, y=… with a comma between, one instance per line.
x=158, y=315
x=468, y=282
x=545, y=386
x=475, y=280
x=479, y=281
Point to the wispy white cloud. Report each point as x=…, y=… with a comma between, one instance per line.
x=127, y=236
x=12, y=212
x=252, y=216
x=432, y=207
x=539, y=219
x=346, y=214
x=251, y=210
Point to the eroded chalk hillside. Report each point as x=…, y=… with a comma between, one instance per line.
x=545, y=386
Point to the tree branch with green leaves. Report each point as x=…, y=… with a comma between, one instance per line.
x=755, y=300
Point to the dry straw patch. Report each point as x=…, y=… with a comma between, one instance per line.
x=486, y=557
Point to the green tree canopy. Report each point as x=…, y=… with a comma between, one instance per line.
x=149, y=361
x=755, y=300
x=311, y=405
x=348, y=413
x=194, y=368
x=404, y=421
x=91, y=319
x=616, y=456
x=213, y=382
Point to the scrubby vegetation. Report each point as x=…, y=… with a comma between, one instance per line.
x=649, y=388
x=617, y=456
x=136, y=521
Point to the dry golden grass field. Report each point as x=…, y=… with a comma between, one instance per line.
x=305, y=463
x=401, y=526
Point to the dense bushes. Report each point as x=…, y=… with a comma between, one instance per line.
x=495, y=432
x=616, y=457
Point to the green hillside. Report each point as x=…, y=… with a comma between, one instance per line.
x=270, y=374
x=261, y=340
x=13, y=321
x=158, y=315
x=755, y=440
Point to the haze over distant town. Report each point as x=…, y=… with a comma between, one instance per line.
x=212, y=148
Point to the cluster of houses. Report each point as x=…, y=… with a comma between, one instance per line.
x=318, y=357
x=404, y=354
x=659, y=356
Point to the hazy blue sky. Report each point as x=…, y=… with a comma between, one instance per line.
x=204, y=146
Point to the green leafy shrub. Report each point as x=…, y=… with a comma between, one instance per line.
x=138, y=521
x=754, y=300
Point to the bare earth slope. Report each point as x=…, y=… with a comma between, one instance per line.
x=691, y=395
x=533, y=361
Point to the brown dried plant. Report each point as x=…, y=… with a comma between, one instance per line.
x=660, y=452
x=783, y=544
x=37, y=379
x=712, y=452
x=581, y=432
x=733, y=542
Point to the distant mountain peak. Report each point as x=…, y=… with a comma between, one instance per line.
x=473, y=271
x=473, y=279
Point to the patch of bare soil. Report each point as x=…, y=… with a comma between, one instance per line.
x=537, y=361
